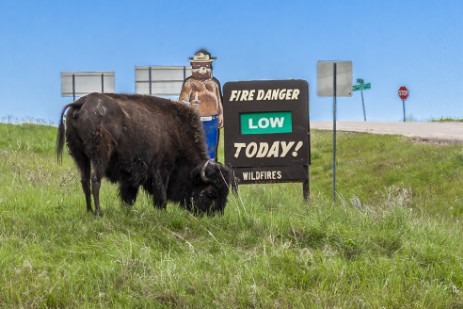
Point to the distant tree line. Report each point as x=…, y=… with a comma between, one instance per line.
x=15, y=120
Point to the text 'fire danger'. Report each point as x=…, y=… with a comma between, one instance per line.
x=265, y=95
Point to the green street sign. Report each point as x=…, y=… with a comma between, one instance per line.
x=361, y=87
x=266, y=123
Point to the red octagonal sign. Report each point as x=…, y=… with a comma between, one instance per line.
x=403, y=92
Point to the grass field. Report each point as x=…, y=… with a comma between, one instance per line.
x=393, y=239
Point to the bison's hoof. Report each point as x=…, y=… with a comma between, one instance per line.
x=98, y=214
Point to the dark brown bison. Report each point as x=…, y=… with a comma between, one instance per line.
x=146, y=141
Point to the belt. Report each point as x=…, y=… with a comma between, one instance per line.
x=209, y=117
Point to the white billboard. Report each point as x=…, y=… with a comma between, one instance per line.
x=163, y=81
x=82, y=83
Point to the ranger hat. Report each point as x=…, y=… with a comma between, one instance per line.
x=202, y=56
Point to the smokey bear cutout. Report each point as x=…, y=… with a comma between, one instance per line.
x=203, y=92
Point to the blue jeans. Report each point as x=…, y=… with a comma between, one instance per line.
x=211, y=134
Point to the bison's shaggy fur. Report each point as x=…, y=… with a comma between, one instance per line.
x=146, y=141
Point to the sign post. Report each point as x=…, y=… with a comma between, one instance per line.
x=403, y=94
x=334, y=79
x=362, y=86
x=266, y=134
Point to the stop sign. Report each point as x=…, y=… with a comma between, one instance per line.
x=403, y=92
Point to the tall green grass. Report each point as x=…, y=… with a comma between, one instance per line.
x=392, y=240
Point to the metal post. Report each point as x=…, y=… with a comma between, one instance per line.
x=102, y=82
x=403, y=103
x=73, y=87
x=334, y=132
x=149, y=80
x=363, y=105
x=306, y=185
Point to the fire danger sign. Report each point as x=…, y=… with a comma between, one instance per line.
x=267, y=130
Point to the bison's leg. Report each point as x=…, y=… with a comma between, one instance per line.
x=97, y=175
x=83, y=163
x=160, y=200
x=101, y=151
x=160, y=191
x=128, y=193
x=85, y=181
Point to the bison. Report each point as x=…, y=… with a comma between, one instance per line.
x=137, y=140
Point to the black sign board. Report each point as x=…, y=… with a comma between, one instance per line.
x=267, y=131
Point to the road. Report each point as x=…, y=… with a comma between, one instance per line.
x=439, y=132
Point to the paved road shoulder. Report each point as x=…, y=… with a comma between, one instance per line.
x=447, y=132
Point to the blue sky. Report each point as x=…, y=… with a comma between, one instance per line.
x=390, y=43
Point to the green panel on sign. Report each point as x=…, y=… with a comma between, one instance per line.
x=266, y=123
x=361, y=87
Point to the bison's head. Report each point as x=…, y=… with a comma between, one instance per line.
x=211, y=183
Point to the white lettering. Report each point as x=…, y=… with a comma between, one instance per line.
x=263, y=123
x=273, y=152
x=244, y=96
x=263, y=149
x=238, y=147
x=262, y=175
x=277, y=122
x=251, y=94
x=285, y=148
x=298, y=146
x=275, y=94
x=288, y=94
x=251, y=150
x=234, y=95
x=278, y=149
x=251, y=125
x=265, y=95
x=268, y=95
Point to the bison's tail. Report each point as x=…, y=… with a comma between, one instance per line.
x=61, y=131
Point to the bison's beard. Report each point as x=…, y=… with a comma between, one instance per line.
x=203, y=203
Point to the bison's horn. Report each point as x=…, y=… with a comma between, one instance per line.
x=203, y=171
